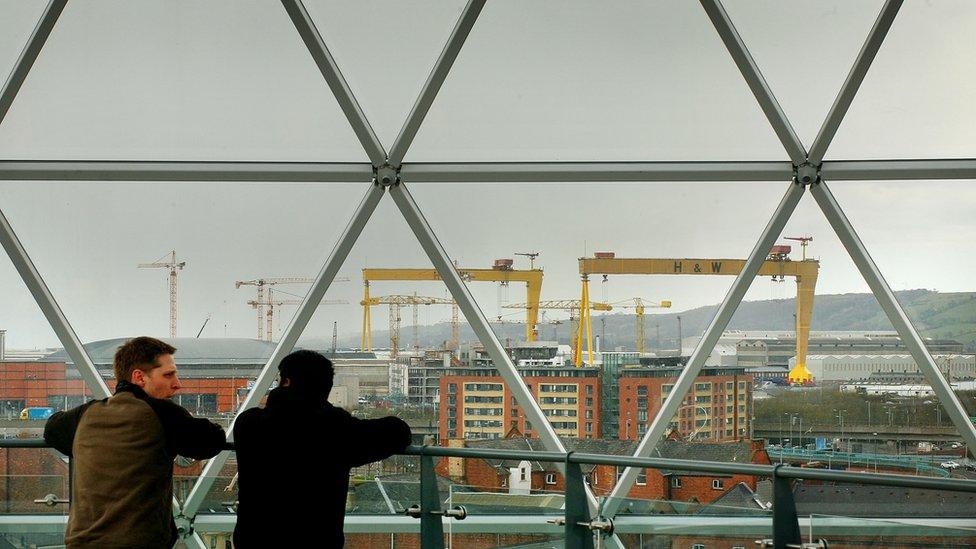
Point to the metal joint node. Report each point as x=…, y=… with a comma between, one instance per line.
x=806, y=174
x=386, y=175
x=457, y=512
x=600, y=524
x=184, y=526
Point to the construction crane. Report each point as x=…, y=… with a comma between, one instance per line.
x=803, y=240
x=777, y=265
x=531, y=256
x=639, y=305
x=335, y=338
x=395, y=302
x=205, y=321
x=571, y=305
x=173, y=267
x=501, y=271
x=263, y=296
x=268, y=306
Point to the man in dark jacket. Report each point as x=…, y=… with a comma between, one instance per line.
x=122, y=450
x=294, y=457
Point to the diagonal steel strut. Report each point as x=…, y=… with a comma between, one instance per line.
x=707, y=343
x=290, y=336
x=895, y=313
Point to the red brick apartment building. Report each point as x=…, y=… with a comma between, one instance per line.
x=652, y=484
x=716, y=409
x=477, y=403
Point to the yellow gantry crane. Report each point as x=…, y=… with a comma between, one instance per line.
x=173, y=266
x=571, y=305
x=501, y=272
x=778, y=266
x=639, y=305
x=395, y=302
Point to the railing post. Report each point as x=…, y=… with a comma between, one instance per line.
x=786, y=526
x=577, y=536
x=431, y=527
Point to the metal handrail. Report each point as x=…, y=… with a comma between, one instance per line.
x=720, y=467
x=579, y=532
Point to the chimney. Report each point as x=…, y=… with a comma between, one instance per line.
x=456, y=469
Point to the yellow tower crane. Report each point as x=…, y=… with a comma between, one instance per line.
x=778, y=265
x=639, y=305
x=395, y=302
x=502, y=272
x=173, y=267
x=571, y=305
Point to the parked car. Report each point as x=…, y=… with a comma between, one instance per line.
x=949, y=464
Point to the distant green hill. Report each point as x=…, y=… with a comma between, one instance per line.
x=936, y=315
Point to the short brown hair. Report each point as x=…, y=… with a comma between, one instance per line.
x=141, y=353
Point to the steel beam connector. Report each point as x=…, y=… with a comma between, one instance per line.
x=806, y=173
x=184, y=526
x=386, y=176
x=458, y=512
x=602, y=525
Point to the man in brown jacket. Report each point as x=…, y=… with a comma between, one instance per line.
x=122, y=450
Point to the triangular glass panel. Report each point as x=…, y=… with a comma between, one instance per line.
x=915, y=101
x=17, y=21
x=150, y=82
x=805, y=91
x=634, y=81
x=386, y=72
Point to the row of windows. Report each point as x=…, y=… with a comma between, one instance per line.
x=469, y=399
x=547, y=388
x=557, y=400
x=483, y=411
x=560, y=412
x=482, y=423
x=482, y=386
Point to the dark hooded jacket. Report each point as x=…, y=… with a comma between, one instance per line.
x=293, y=458
x=122, y=450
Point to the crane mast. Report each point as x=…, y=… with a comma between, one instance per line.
x=174, y=267
x=265, y=301
x=395, y=302
x=639, y=305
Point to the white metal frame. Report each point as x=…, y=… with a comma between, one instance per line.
x=389, y=172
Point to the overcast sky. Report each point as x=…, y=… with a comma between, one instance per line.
x=535, y=81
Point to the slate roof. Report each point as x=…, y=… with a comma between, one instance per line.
x=739, y=500
x=589, y=446
x=739, y=452
x=856, y=500
x=402, y=489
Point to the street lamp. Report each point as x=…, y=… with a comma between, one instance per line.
x=679, y=338
x=840, y=418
